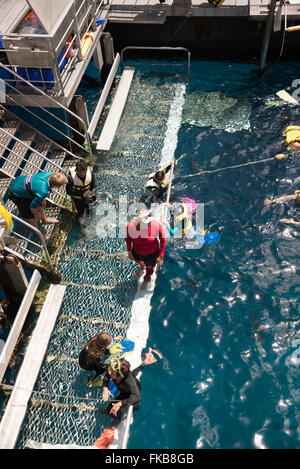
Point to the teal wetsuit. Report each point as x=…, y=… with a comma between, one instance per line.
x=39, y=188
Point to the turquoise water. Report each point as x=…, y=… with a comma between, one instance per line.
x=226, y=317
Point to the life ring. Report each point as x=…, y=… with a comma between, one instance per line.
x=7, y=218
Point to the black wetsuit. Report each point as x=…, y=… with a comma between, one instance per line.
x=155, y=193
x=129, y=390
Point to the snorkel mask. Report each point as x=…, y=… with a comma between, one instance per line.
x=116, y=366
x=297, y=196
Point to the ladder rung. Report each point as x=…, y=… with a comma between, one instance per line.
x=16, y=156
x=36, y=161
x=4, y=185
x=11, y=127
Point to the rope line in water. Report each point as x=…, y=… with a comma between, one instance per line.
x=228, y=167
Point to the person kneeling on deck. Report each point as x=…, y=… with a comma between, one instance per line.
x=285, y=198
x=81, y=187
x=146, y=243
x=29, y=194
x=156, y=187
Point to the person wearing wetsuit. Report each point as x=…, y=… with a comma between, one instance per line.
x=156, y=187
x=128, y=386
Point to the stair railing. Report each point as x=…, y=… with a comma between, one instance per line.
x=84, y=135
x=60, y=169
x=38, y=233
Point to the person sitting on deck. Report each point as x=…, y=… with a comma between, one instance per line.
x=156, y=187
x=29, y=194
x=81, y=187
x=146, y=243
x=284, y=198
x=95, y=351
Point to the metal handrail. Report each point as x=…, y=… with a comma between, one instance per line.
x=39, y=235
x=32, y=164
x=57, y=145
x=13, y=137
x=93, y=19
x=159, y=48
x=57, y=104
x=42, y=120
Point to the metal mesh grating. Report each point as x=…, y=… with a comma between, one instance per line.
x=100, y=287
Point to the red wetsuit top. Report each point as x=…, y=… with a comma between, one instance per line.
x=146, y=240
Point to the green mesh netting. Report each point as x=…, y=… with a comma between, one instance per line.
x=100, y=280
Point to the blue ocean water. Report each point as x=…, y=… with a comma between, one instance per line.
x=226, y=317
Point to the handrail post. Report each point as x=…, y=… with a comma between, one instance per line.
x=267, y=36
x=39, y=235
x=158, y=48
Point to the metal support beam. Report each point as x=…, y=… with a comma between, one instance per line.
x=267, y=35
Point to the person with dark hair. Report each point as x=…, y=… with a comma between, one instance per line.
x=29, y=194
x=128, y=386
x=156, y=186
x=94, y=353
x=81, y=187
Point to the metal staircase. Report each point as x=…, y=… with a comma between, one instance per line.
x=24, y=150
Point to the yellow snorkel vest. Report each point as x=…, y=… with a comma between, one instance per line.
x=291, y=134
x=184, y=216
x=163, y=181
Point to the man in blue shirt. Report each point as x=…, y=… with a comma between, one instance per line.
x=29, y=194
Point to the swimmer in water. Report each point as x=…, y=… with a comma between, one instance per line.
x=285, y=198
